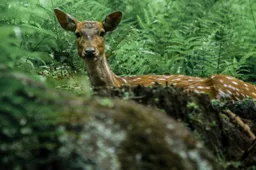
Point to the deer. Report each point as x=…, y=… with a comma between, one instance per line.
x=90, y=47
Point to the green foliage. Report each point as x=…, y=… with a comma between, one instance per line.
x=214, y=38
x=35, y=130
x=197, y=38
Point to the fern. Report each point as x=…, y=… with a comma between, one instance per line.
x=201, y=42
x=197, y=38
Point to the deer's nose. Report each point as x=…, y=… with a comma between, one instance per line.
x=90, y=51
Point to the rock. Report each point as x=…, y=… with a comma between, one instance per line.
x=42, y=128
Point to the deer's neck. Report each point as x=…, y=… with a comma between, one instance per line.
x=99, y=73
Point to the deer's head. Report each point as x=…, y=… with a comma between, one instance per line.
x=89, y=34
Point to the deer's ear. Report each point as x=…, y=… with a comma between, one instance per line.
x=66, y=21
x=112, y=21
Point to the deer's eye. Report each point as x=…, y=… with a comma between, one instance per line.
x=78, y=34
x=102, y=33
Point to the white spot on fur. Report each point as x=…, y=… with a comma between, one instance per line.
x=223, y=94
x=229, y=92
x=124, y=80
x=136, y=79
x=167, y=77
x=231, y=87
x=235, y=83
x=200, y=87
x=237, y=98
x=254, y=94
x=197, y=91
x=246, y=85
x=161, y=79
x=221, y=81
x=176, y=79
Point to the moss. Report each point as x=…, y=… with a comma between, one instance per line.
x=146, y=129
x=46, y=129
x=202, y=115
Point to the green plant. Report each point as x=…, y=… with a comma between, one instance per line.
x=165, y=37
x=176, y=38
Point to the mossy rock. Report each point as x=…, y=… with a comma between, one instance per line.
x=206, y=118
x=42, y=128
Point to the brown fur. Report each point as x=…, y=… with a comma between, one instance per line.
x=89, y=36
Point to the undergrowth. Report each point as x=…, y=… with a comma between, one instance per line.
x=198, y=38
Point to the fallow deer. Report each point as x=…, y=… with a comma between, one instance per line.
x=90, y=46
